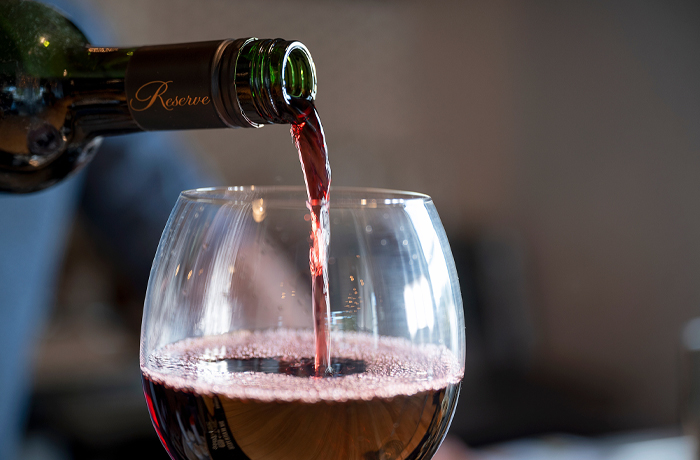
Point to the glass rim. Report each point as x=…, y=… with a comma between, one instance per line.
x=340, y=196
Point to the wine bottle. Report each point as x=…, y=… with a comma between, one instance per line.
x=59, y=95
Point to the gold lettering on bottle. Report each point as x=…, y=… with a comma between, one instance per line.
x=154, y=91
x=158, y=94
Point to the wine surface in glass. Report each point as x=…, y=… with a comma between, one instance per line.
x=254, y=396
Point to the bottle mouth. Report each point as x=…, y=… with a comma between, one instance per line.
x=269, y=76
x=298, y=74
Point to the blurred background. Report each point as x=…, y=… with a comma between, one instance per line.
x=560, y=142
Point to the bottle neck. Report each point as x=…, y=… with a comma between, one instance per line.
x=97, y=93
x=230, y=83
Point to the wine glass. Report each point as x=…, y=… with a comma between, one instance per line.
x=227, y=341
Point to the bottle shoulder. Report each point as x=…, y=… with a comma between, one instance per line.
x=38, y=40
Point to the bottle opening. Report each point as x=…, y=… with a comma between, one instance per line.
x=269, y=75
x=299, y=73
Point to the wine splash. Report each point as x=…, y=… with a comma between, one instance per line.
x=310, y=141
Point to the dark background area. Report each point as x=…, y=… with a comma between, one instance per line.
x=560, y=142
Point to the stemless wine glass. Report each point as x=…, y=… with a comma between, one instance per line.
x=227, y=341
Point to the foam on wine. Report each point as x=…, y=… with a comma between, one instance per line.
x=393, y=366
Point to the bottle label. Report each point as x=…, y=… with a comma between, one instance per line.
x=175, y=86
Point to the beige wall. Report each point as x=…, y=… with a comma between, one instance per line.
x=552, y=119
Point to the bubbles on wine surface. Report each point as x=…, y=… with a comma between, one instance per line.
x=275, y=365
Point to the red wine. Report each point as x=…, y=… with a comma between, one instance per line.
x=310, y=141
x=254, y=396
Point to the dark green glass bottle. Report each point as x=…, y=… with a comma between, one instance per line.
x=59, y=95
